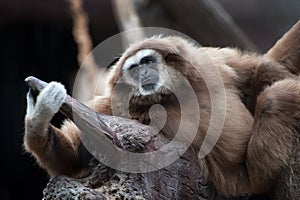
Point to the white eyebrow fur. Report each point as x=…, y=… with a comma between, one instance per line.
x=135, y=59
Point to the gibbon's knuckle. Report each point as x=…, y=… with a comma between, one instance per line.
x=55, y=92
x=52, y=97
x=59, y=92
x=56, y=87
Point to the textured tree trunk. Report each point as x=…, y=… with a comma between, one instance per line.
x=182, y=180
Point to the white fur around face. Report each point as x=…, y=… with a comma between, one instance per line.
x=136, y=58
x=47, y=104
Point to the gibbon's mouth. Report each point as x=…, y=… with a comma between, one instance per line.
x=148, y=89
x=149, y=86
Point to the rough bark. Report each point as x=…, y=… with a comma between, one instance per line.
x=169, y=183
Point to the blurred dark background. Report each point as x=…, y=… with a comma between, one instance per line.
x=36, y=39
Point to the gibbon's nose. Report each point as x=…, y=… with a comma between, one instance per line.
x=148, y=75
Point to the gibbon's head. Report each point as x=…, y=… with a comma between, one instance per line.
x=152, y=68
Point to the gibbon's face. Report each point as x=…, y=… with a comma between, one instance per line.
x=146, y=72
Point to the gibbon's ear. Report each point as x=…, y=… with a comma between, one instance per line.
x=287, y=50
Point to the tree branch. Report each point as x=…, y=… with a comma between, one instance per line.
x=85, y=46
x=206, y=21
x=128, y=19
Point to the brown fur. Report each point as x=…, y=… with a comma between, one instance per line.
x=256, y=140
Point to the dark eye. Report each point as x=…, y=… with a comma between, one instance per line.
x=147, y=60
x=133, y=66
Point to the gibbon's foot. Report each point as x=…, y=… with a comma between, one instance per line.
x=48, y=102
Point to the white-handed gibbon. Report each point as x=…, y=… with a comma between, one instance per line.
x=262, y=111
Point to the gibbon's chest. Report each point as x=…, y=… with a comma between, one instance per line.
x=170, y=119
x=164, y=117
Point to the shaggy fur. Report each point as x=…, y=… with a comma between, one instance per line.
x=262, y=113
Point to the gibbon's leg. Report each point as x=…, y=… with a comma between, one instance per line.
x=276, y=122
x=55, y=149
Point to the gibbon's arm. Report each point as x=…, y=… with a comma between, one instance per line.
x=59, y=151
x=276, y=124
x=269, y=148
